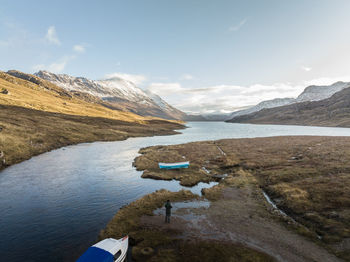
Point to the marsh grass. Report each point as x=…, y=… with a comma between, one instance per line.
x=307, y=177
x=159, y=245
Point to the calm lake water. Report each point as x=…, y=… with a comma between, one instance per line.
x=54, y=205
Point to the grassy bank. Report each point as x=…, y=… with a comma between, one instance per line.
x=27, y=132
x=307, y=177
x=37, y=116
x=166, y=244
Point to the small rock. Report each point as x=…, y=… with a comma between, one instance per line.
x=147, y=251
x=4, y=91
x=333, y=214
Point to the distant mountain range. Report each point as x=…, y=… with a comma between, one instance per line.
x=265, y=104
x=310, y=93
x=331, y=111
x=316, y=93
x=120, y=93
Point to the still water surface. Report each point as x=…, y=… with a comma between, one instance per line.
x=53, y=205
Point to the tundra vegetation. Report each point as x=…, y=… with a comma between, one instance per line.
x=163, y=244
x=307, y=177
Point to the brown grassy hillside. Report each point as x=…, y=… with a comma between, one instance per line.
x=38, y=116
x=48, y=97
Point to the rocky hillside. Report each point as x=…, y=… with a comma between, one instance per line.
x=333, y=111
x=310, y=93
x=118, y=92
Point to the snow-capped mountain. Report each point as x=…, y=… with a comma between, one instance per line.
x=316, y=93
x=117, y=91
x=262, y=105
x=310, y=93
x=332, y=111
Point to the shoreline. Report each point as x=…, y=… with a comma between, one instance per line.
x=283, y=167
x=30, y=132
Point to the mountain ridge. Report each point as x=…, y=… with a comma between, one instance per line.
x=37, y=116
x=332, y=111
x=119, y=92
x=310, y=93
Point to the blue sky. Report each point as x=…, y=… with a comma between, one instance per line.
x=201, y=56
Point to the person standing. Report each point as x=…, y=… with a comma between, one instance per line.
x=168, y=208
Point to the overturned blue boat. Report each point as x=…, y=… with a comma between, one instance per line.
x=107, y=250
x=174, y=165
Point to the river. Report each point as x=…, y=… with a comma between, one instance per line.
x=54, y=205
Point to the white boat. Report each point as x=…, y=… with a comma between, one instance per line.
x=174, y=165
x=107, y=250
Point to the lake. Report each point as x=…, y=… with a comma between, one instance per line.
x=54, y=205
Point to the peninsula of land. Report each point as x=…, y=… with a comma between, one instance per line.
x=277, y=199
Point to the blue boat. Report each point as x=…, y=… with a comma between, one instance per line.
x=174, y=165
x=108, y=250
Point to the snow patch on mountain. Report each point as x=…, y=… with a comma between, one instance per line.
x=114, y=89
x=262, y=105
x=316, y=93
x=310, y=93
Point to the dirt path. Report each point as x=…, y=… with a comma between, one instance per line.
x=242, y=216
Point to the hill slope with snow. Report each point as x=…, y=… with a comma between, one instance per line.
x=119, y=92
x=310, y=93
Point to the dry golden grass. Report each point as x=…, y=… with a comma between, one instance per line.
x=39, y=116
x=27, y=132
x=54, y=99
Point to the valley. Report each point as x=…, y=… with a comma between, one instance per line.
x=175, y=131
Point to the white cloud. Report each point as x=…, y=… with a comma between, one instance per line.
x=238, y=26
x=79, y=48
x=55, y=67
x=51, y=36
x=306, y=68
x=136, y=79
x=58, y=67
x=164, y=89
x=187, y=77
x=229, y=98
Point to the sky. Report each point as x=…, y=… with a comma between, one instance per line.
x=201, y=56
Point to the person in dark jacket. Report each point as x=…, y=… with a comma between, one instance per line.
x=168, y=208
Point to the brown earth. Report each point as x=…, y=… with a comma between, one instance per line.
x=159, y=242
x=307, y=177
